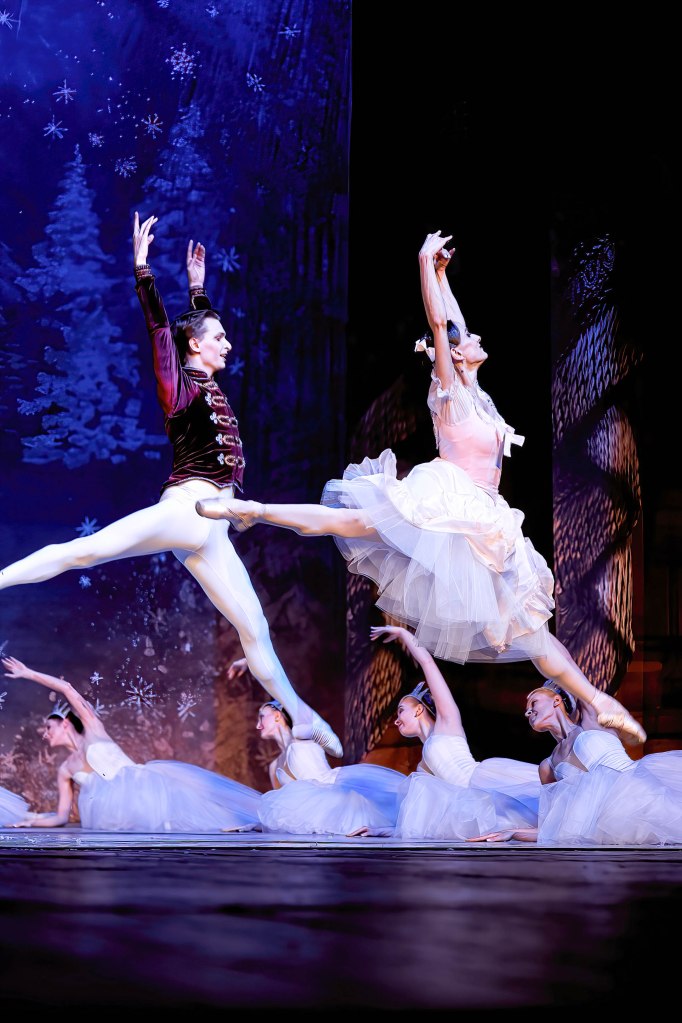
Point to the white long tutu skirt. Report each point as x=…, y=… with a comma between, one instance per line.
x=354, y=796
x=435, y=809
x=451, y=562
x=13, y=808
x=166, y=795
x=639, y=806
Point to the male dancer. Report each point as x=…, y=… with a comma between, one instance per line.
x=207, y=461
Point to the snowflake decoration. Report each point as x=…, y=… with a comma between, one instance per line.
x=157, y=618
x=162, y=3
x=7, y=19
x=64, y=93
x=152, y=125
x=125, y=166
x=181, y=62
x=260, y=351
x=187, y=646
x=255, y=82
x=289, y=31
x=229, y=261
x=236, y=367
x=238, y=312
x=87, y=527
x=141, y=694
x=185, y=704
x=96, y=678
x=99, y=708
x=85, y=582
x=53, y=129
x=95, y=139
x=212, y=11
x=2, y=699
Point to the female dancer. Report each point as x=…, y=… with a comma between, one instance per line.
x=308, y=796
x=116, y=794
x=444, y=548
x=593, y=792
x=450, y=794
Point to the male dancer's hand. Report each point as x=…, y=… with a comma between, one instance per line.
x=196, y=265
x=142, y=239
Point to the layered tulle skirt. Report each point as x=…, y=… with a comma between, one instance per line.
x=351, y=797
x=435, y=809
x=639, y=806
x=13, y=808
x=166, y=795
x=451, y=562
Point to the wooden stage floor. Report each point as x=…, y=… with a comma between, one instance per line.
x=254, y=921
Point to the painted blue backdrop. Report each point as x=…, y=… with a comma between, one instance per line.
x=229, y=121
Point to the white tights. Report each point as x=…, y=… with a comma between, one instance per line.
x=204, y=548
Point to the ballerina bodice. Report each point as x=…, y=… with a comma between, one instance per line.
x=106, y=759
x=449, y=758
x=595, y=748
x=469, y=431
x=587, y=749
x=305, y=760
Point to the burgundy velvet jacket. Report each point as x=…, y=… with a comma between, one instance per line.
x=198, y=419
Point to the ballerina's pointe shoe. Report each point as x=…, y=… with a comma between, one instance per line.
x=240, y=514
x=612, y=714
x=321, y=733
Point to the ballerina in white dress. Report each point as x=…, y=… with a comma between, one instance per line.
x=444, y=548
x=115, y=793
x=593, y=792
x=451, y=795
x=309, y=797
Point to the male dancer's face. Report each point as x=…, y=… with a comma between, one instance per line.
x=213, y=346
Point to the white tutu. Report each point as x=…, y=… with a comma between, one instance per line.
x=345, y=799
x=451, y=562
x=13, y=808
x=165, y=795
x=603, y=806
x=433, y=808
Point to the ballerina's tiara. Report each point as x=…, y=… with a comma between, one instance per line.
x=422, y=694
x=61, y=709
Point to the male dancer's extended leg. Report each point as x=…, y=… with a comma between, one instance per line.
x=172, y=524
x=223, y=577
x=151, y=530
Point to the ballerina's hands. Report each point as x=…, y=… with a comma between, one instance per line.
x=14, y=668
x=434, y=243
x=521, y=834
x=391, y=633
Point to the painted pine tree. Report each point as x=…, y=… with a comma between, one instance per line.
x=85, y=396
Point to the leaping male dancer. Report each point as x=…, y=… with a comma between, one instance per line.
x=207, y=461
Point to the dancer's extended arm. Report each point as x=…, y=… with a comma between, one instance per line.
x=15, y=668
x=434, y=307
x=61, y=816
x=448, y=718
x=441, y=262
